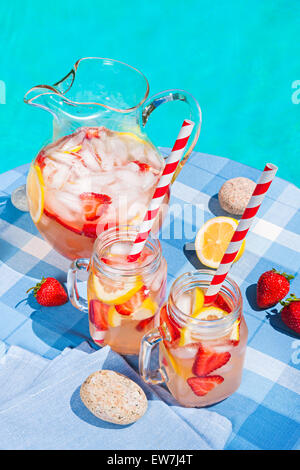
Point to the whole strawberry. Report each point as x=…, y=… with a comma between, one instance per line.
x=49, y=292
x=272, y=287
x=290, y=313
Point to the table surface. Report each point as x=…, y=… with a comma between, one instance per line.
x=265, y=411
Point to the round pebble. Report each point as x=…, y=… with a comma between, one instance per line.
x=235, y=193
x=19, y=198
x=113, y=397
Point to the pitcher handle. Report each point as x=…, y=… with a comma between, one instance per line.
x=195, y=115
x=149, y=341
x=80, y=264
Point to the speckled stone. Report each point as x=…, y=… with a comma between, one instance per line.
x=113, y=397
x=235, y=193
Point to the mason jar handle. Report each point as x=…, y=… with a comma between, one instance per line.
x=195, y=115
x=80, y=264
x=149, y=341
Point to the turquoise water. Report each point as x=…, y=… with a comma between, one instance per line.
x=238, y=58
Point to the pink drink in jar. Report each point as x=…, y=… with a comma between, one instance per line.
x=202, y=348
x=124, y=298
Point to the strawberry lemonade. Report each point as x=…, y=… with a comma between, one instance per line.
x=89, y=181
x=124, y=298
x=202, y=348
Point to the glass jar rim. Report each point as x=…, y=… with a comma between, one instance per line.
x=192, y=280
x=131, y=270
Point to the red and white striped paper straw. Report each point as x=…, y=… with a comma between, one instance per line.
x=240, y=233
x=161, y=189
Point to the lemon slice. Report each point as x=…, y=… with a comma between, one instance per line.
x=130, y=134
x=172, y=362
x=201, y=313
x=235, y=332
x=35, y=193
x=211, y=313
x=147, y=310
x=198, y=301
x=213, y=238
x=114, y=318
x=74, y=150
x=115, y=295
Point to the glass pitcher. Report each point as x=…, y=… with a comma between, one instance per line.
x=100, y=169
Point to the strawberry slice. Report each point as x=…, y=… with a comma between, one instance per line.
x=142, y=166
x=221, y=303
x=202, y=385
x=144, y=323
x=207, y=361
x=127, y=308
x=90, y=230
x=40, y=160
x=62, y=222
x=92, y=132
x=98, y=314
x=169, y=324
x=94, y=205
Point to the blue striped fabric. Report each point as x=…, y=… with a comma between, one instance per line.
x=265, y=411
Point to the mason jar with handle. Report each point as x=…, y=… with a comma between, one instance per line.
x=201, y=348
x=123, y=298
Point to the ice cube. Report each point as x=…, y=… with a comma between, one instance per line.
x=106, y=161
x=127, y=178
x=62, y=205
x=60, y=157
x=98, y=146
x=100, y=180
x=153, y=159
x=137, y=151
x=148, y=180
x=118, y=149
x=78, y=186
x=58, y=177
x=120, y=204
x=133, y=167
x=185, y=303
x=110, y=216
x=186, y=352
x=221, y=348
x=73, y=141
x=78, y=170
x=49, y=168
x=136, y=211
x=120, y=248
x=89, y=157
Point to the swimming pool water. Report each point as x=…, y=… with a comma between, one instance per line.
x=239, y=60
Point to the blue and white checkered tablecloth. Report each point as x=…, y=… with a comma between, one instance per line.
x=265, y=411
